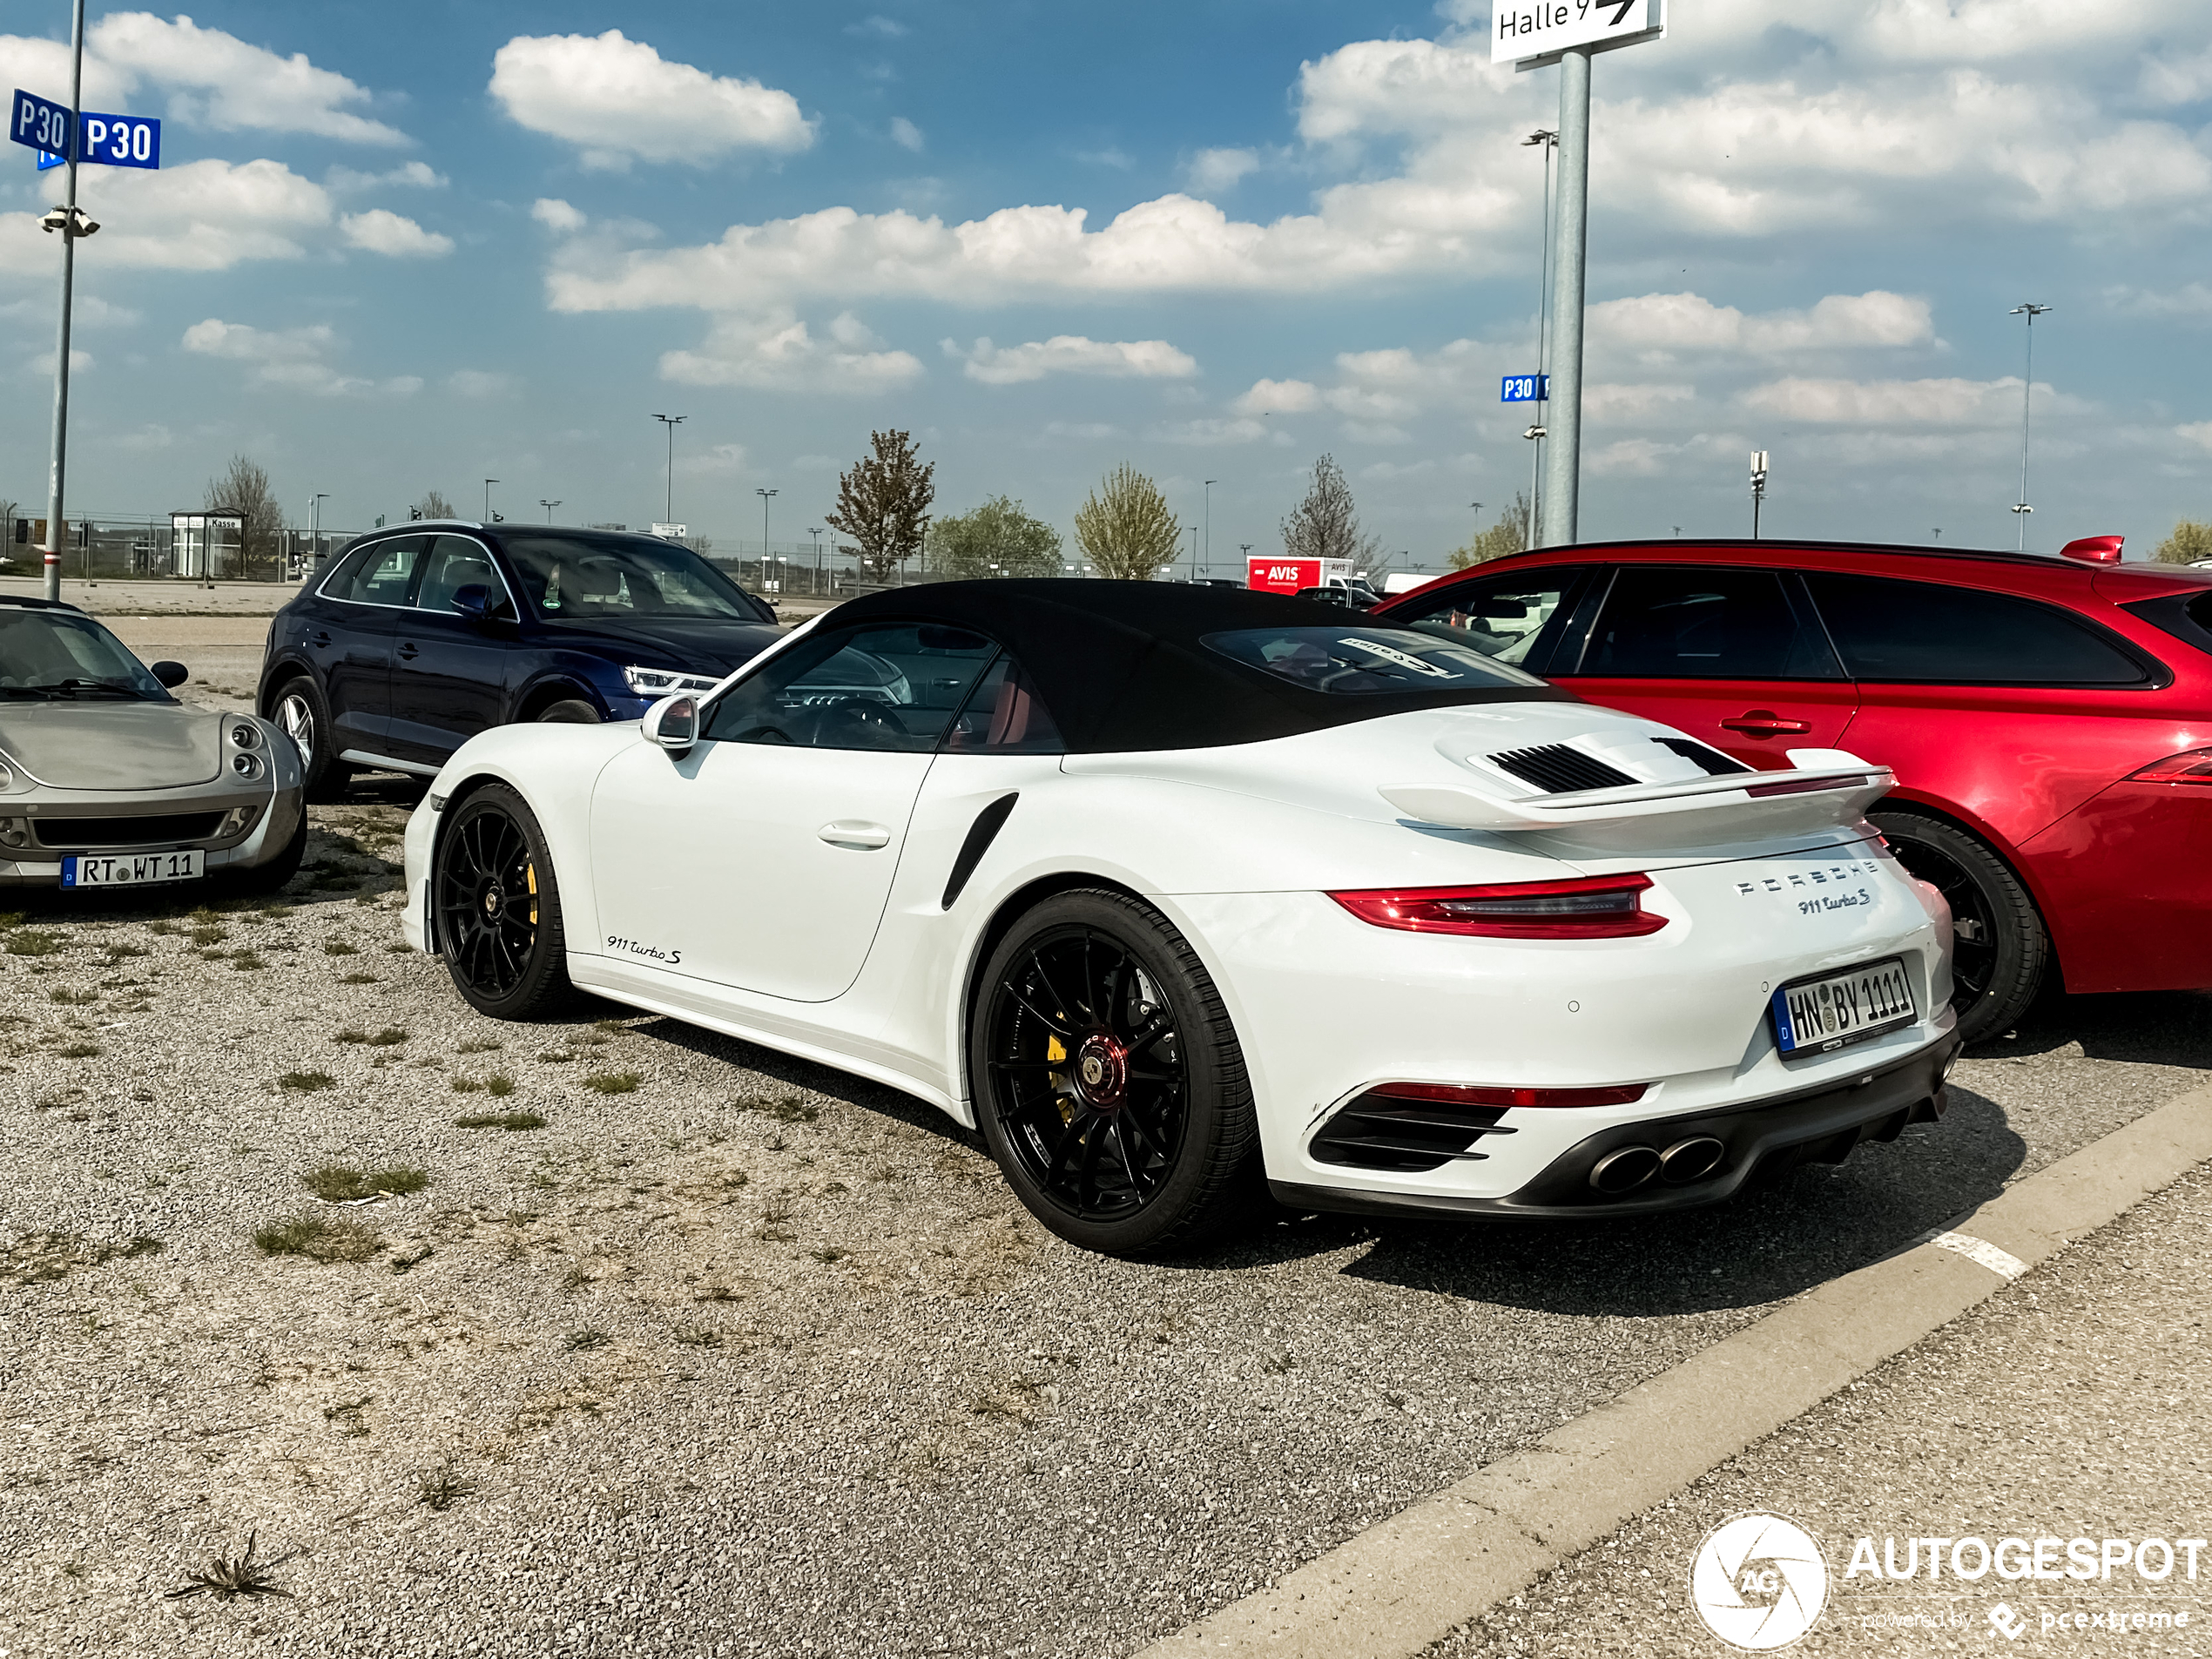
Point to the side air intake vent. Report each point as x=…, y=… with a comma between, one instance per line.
x=1376, y=1131
x=1557, y=770
x=1714, y=762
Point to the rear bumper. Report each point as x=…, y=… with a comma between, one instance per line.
x=1764, y=1139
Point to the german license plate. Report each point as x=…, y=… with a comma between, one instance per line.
x=1821, y=1015
x=133, y=869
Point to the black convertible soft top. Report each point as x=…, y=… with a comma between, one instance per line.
x=1121, y=666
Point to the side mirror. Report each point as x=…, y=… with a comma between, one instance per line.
x=673, y=723
x=169, y=674
x=473, y=601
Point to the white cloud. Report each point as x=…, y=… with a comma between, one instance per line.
x=1086, y=431
x=200, y=216
x=216, y=80
x=41, y=363
x=557, y=215
x=2199, y=432
x=719, y=461
x=1073, y=354
x=479, y=383
x=1279, y=397
x=2191, y=299
x=381, y=231
x=292, y=358
x=408, y=175
x=779, y=353
x=1209, y=433
x=906, y=134
x=1217, y=170
x=879, y=28
x=1602, y=402
x=618, y=100
x=1890, y=403
x=1672, y=322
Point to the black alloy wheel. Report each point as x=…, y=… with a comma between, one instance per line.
x=302, y=712
x=498, y=909
x=1108, y=1079
x=2000, y=947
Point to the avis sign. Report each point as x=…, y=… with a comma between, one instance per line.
x=1529, y=34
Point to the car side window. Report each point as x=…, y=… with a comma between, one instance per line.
x=1516, y=618
x=457, y=562
x=1004, y=716
x=1668, y=622
x=1923, y=633
x=380, y=574
x=890, y=685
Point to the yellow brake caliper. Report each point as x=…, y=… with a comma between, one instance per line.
x=530, y=874
x=1057, y=1054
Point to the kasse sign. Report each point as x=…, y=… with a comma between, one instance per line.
x=1529, y=34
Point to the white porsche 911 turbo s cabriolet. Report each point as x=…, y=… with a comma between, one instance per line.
x=1151, y=883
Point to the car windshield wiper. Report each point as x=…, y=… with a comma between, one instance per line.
x=72, y=687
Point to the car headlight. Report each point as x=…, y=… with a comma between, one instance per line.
x=246, y=737
x=7, y=777
x=15, y=832
x=657, y=683
x=247, y=766
x=235, y=821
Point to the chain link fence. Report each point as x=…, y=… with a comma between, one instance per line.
x=182, y=547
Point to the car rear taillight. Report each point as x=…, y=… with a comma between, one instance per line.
x=2190, y=767
x=1598, y=907
x=1486, y=1094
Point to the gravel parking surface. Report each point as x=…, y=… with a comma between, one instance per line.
x=2070, y=1404
x=735, y=1354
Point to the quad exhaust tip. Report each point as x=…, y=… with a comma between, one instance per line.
x=1626, y=1168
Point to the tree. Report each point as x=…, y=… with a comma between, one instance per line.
x=434, y=505
x=996, y=539
x=1508, y=535
x=1324, y=525
x=1125, y=529
x=883, y=505
x=2190, y=541
x=244, y=489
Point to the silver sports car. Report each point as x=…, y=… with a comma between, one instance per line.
x=108, y=781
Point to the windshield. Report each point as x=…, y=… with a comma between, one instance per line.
x=584, y=578
x=59, y=653
x=1356, y=660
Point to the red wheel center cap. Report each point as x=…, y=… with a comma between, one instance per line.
x=1102, y=1071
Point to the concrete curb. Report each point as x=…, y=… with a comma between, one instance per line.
x=1404, y=1583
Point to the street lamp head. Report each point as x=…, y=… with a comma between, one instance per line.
x=2030, y=311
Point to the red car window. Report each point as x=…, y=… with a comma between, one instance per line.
x=1708, y=622
x=1924, y=633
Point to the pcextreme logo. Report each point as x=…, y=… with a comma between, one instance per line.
x=1758, y=1581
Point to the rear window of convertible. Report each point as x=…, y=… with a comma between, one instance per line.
x=1353, y=661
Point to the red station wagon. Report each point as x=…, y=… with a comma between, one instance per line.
x=2049, y=719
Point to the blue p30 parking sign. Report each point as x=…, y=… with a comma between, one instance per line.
x=111, y=140
x=1525, y=388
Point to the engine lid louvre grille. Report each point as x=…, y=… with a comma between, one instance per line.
x=1558, y=769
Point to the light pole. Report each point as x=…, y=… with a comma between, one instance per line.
x=488, y=482
x=668, y=506
x=764, y=495
x=1211, y=482
x=2031, y=311
x=1549, y=139
x=549, y=506
x=1245, y=548
x=314, y=526
x=816, y=533
x=1758, y=489
x=1564, y=418
x=72, y=223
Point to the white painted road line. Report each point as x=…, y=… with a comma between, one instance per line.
x=2002, y=1263
x=1399, y=1586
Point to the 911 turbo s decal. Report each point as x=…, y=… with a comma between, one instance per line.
x=639, y=948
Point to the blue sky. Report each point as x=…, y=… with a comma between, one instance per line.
x=410, y=246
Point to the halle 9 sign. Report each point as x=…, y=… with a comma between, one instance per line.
x=1532, y=32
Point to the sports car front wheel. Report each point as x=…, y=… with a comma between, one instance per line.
x=498, y=909
x=1107, y=1078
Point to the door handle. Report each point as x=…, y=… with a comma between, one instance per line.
x=856, y=832
x=1765, y=723
x=410, y=651
x=318, y=639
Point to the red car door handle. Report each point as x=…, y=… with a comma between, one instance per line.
x=1765, y=723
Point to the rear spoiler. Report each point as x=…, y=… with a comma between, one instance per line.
x=1760, y=801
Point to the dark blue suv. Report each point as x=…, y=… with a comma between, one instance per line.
x=424, y=635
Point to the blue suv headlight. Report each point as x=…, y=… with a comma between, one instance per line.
x=665, y=682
